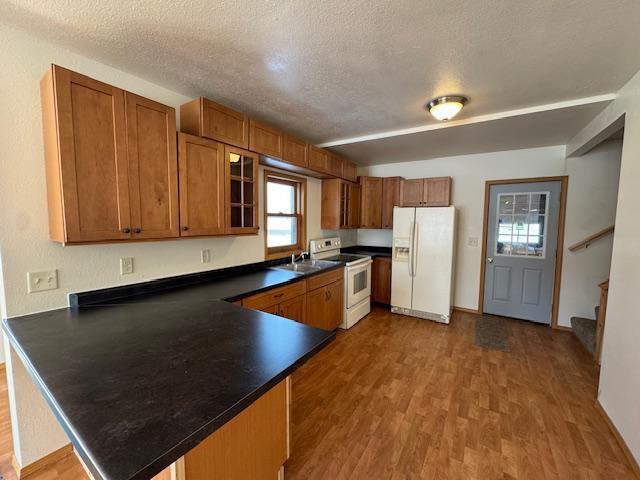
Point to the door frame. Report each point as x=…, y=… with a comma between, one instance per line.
x=564, y=183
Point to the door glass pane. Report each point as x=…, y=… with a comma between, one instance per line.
x=248, y=192
x=521, y=224
x=236, y=191
x=247, y=167
x=235, y=164
x=281, y=198
x=505, y=203
x=281, y=231
x=236, y=216
x=248, y=217
x=521, y=203
x=360, y=281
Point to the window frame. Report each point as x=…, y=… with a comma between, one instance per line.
x=300, y=185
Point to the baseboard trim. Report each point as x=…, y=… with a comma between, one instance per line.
x=563, y=328
x=465, y=310
x=633, y=463
x=46, y=461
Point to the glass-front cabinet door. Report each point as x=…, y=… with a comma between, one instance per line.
x=241, y=175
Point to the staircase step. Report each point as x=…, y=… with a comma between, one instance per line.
x=585, y=330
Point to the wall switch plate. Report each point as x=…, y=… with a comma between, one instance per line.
x=41, y=281
x=206, y=255
x=472, y=241
x=126, y=265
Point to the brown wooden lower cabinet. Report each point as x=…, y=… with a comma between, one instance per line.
x=294, y=309
x=381, y=280
x=325, y=306
x=253, y=445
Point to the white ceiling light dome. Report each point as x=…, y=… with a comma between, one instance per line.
x=446, y=107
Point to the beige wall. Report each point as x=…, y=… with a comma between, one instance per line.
x=24, y=244
x=619, y=389
x=469, y=172
x=593, y=184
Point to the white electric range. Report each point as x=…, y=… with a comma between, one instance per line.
x=357, y=278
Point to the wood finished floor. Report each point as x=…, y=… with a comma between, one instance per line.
x=401, y=398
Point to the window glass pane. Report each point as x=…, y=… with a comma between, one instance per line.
x=247, y=167
x=538, y=203
x=248, y=217
x=506, y=203
x=281, y=231
x=281, y=198
x=235, y=164
x=236, y=191
x=521, y=203
x=248, y=192
x=521, y=224
x=236, y=216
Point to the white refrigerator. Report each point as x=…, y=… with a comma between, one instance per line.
x=423, y=262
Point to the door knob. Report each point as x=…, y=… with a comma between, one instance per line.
x=137, y=230
x=184, y=229
x=126, y=230
x=490, y=259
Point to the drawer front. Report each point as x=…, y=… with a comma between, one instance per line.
x=275, y=296
x=323, y=279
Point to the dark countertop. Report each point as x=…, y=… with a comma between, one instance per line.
x=368, y=250
x=136, y=383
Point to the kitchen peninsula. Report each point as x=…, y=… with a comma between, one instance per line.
x=167, y=378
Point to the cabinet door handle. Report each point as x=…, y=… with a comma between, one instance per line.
x=184, y=229
x=137, y=230
x=278, y=295
x=126, y=230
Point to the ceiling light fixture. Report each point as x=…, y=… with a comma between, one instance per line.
x=446, y=107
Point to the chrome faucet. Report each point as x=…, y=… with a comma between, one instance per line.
x=294, y=258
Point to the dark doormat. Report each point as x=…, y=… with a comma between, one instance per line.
x=491, y=332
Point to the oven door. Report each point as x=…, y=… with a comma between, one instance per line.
x=358, y=283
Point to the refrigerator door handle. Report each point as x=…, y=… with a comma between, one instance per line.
x=414, y=257
x=410, y=262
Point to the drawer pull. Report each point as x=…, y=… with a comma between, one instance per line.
x=278, y=295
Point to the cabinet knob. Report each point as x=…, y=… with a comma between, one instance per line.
x=184, y=229
x=137, y=230
x=126, y=230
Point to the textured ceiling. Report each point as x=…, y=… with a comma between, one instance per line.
x=333, y=69
x=552, y=127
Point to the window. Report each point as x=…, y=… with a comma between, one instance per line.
x=284, y=214
x=521, y=224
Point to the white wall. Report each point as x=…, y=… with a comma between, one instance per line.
x=619, y=389
x=591, y=206
x=469, y=172
x=24, y=244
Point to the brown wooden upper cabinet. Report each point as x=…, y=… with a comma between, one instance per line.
x=426, y=192
x=349, y=170
x=340, y=207
x=110, y=161
x=318, y=159
x=390, y=199
x=241, y=190
x=206, y=118
x=265, y=139
x=335, y=165
x=202, y=184
x=295, y=151
x=370, y=202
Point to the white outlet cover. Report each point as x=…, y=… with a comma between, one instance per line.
x=42, y=281
x=206, y=255
x=472, y=241
x=126, y=265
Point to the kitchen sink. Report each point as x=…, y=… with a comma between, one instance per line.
x=307, y=266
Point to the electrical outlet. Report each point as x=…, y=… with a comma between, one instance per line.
x=41, y=281
x=472, y=241
x=126, y=265
x=205, y=255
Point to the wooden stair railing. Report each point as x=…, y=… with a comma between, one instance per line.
x=602, y=312
x=592, y=238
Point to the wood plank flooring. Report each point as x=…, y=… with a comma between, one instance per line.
x=402, y=398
